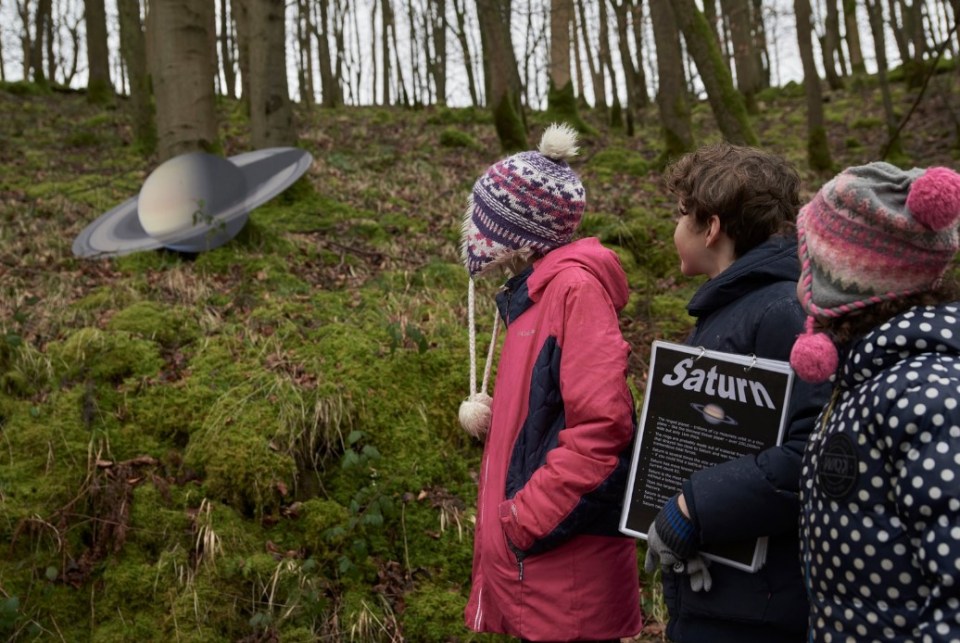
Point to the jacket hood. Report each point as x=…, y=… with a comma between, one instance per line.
x=588, y=254
x=922, y=329
x=773, y=260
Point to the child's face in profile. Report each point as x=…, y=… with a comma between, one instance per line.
x=690, y=241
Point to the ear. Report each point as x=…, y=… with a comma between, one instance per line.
x=713, y=230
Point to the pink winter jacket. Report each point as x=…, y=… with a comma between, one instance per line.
x=549, y=563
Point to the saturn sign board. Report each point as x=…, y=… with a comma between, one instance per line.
x=702, y=408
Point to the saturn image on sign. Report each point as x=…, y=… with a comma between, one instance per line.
x=713, y=413
x=193, y=202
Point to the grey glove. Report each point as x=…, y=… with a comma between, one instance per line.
x=698, y=569
x=658, y=554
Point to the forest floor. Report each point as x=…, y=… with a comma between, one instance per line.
x=267, y=431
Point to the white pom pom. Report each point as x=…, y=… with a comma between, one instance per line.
x=475, y=415
x=559, y=142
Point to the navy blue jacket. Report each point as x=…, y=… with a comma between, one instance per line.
x=750, y=308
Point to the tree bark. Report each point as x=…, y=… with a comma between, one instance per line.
x=271, y=115
x=596, y=71
x=460, y=11
x=504, y=95
x=180, y=56
x=875, y=13
x=226, y=50
x=304, y=22
x=830, y=47
x=43, y=19
x=672, y=94
x=438, y=20
x=329, y=87
x=818, y=152
x=561, y=101
x=738, y=14
x=241, y=17
x=636, y=94
x=852, y=25
x=725, y=101
x=133, y=48
x=99, y=89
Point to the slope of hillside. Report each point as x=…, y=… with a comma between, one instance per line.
x=260, y=443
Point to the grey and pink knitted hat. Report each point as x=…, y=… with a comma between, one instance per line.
x=873, y=233
x=525, y=205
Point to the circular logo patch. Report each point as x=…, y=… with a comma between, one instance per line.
x=838, y=466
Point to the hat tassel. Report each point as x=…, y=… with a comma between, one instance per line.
x=814, y=356
x=475, y=411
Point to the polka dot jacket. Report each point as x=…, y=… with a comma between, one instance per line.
x=880, y=488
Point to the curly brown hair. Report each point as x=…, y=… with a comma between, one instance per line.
x=755, y=194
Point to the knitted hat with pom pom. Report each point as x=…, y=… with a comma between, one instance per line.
x=522, y=207
x=873, y=233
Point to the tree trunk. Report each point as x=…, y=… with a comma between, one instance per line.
x=386, y=19
x=226, y=50
x=830, y=46
x=578, y=61
x=857, y=66
x=741, y=22
x=460, y=11
x=636, y=20
x=760, y=46
x=43, y=18
x=818, y=152
x=561, y=102
x=99, y=89
x=133, y=48
x=414, y=55
x=180, y=56
x=504, y=96
x=875, y=13
x=305, y=52
x=438, y=20
x=672, y=94
x=725, y=101
x=621, y=12
x=713, y=19
x=271, y=115
x=605, y=64
x=329, y=87
x=596, y=71
x=241, y=17
x=896, y=26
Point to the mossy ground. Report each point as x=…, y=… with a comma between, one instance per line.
x=260, y=442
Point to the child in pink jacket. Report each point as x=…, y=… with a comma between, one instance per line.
x=549, y=563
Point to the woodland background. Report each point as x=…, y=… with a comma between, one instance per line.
x=259, y=443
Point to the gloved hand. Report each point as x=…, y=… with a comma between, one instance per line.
x=698, y=569
x=671, y=544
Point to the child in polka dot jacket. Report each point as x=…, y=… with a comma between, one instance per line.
x=880, y=481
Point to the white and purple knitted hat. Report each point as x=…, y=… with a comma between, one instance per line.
x=525, y=205
x=873, y=233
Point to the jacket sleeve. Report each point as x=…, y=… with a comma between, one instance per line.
x=924, y=431
x=757, y=495
x=583, y=471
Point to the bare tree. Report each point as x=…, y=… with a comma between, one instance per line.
x=830, y=46
x=180, y=56
x=740, y=20
x=305, y=54
x=460, y=31
x=561, y=100
x=596, y=72
x=99, y=88
x=227, y=39
x=133, y=49
x=271, y=115
x=505, y=90
x=725, y=101
x=43, y=24
x=818, y=152
x=438, y=67
x=671, y=94
x=875, y=13
x=852, y=28
x=633, y=77
x=241, y=18
x=329, y=87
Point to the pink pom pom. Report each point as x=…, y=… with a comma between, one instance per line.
x=934, y=198
x=814, y=357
